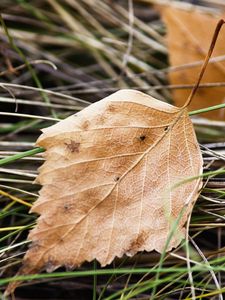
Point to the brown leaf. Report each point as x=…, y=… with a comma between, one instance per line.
x=111, y=192
x=189, y=33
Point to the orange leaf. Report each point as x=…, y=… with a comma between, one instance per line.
x=188, y=37
x=109, y=182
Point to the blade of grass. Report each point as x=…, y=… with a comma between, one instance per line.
x=21, y=155
x=15, y=199
x=207, y=109
x=94, y=281
x=108, y=272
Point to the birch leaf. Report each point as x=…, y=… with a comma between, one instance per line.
x=108, y=182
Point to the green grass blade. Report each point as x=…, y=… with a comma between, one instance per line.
x=12, y=158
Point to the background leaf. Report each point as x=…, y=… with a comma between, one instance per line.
x=189, y=33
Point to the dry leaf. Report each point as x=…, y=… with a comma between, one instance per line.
x=108, y=182
x=189, y=36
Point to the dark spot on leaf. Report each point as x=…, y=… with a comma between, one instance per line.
x=117, y=178
x=142, y=137
x=138, y=241
x=67, y=207
x=61, y=240
x=166, y=128
x=73, y=146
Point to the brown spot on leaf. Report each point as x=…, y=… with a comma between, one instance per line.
x=67, y=207
x=166, y=128
x=139, y=241
x=142, y=137
x=112, y=108
x=117, y=178
x=85, y=125
x=73, y=146
x=101, y=120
